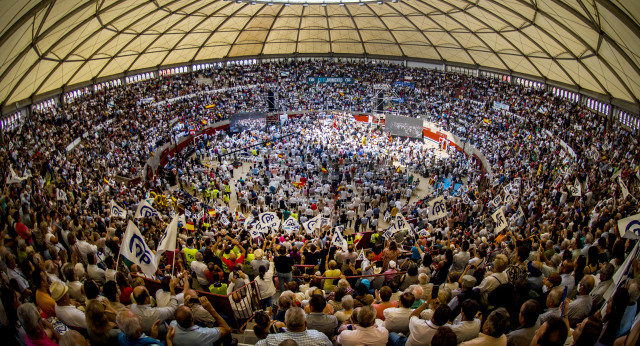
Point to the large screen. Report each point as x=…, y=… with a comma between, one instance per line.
x=247, y=121
x=403, y=126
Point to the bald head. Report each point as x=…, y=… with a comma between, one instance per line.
x=184, y=317
x=141, y=295
x=586, y=284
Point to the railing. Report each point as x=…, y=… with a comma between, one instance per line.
x=236, y=313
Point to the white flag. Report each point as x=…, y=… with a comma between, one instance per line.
x=187, y=213
x=168, y=240
x=519, y=213
x=423, y=233
x=61, y=195
x=623, y=187
x=437, y=209
x=100, y=189
x=291, y=225
x=145, y=210
x=339, y=241
x=135, y=249
x=629, y=227
x=269, y=219
x=387, y=216
x=312, y=225
x=575, y=190
x=117, y=211
x=224, y=221
x=499, y=219
x=360, y=255
x=400, y=223
x=200, y=215
x=497, y=201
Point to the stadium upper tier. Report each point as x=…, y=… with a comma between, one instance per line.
x=592, y=47
x=121, y=126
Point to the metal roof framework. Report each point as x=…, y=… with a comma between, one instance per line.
x=590, y=45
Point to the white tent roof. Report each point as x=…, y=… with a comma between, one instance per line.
x=591, y=44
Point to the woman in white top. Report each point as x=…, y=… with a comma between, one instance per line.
x=264, y=280
x=495, y=279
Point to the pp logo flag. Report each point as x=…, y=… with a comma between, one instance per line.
x=339, y=241
x=437, y=209
x=269, y=219
x=312, y=225
x=401, y=223
x=499, y=219
x=117, y=211
x=135, y=249
x=291, y=225
x=630, y=227
x=145, y=210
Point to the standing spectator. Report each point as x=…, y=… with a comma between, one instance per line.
x=264, y=280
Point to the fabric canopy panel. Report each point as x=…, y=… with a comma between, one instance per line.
x=46, y=45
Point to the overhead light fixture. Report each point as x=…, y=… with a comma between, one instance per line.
x=287, y=4
x=342, y=4
x=238, y=1
x=324, y=4
x=362, y=4
x=394, y=1
x=379, y=2
x=270, y=4
x=305, y=4
x=253, y=2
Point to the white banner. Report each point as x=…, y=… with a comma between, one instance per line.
x=145, y=210
x=400, y=223
x=117, y=211
x=170, y=236
x=269, y=219
x=623, y=187
x=339, y=241
x=437, y=209
x=312, y=225
x=499, y=219
x=629, y=227
x=291, y=225
x=135, y=249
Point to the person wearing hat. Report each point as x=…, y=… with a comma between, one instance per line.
x=65, y=310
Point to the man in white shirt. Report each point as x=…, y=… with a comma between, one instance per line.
x=397, y=319
x=367, y=333
x=65, y=311
x=83, y=246
x=468, y=327
x=149, y=315
x=422, y=331
x=368, y=265
x=93, y=271
x=199, y=268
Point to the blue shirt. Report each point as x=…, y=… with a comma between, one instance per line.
x=195, y=335
x=415, y=254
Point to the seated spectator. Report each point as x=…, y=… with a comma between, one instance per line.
x=466, y=292
x=189, y=334
x=444, y=337
x=296, y=331
x=416, y=290
x=421, y=331
x=587, y=332
x=130, y=325
x=397, y=319
x=112, y=294
x=318, y=320
x=553, y=332
x=347, y=309
x=493, y=330
x=528, y=319
x=495, y=279
x=100, y=330
x=427, y=288
x=468, y=327
x=554, y=299
x=65, y=310
x=265, y=325
x=39, y=330
x=606, y=279
x=383, y=302
x=73, y=338
x=362, y=296
x=150, y=315
x=366, y=333
x=580, y=307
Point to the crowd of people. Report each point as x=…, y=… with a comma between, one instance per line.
x=555, y=274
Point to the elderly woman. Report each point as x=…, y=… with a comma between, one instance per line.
x=495, y=278
x=39, y=331
x=347, y=309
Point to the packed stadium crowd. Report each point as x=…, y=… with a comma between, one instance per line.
x=321, y=230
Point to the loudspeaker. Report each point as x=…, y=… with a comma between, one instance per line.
x=271, y=104
x=380, y=102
